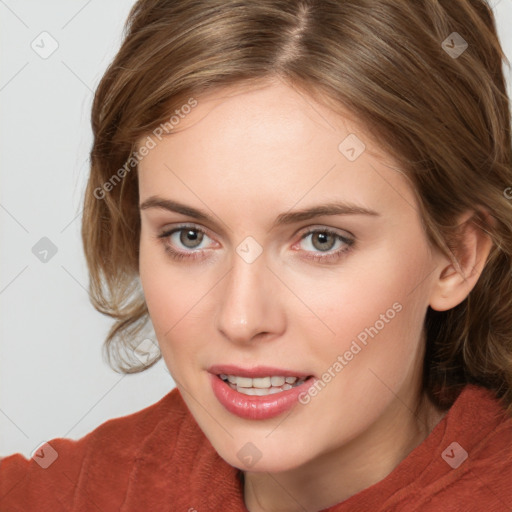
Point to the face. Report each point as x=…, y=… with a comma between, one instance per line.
x=242, y=287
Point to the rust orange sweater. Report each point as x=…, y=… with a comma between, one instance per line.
x=159, y=460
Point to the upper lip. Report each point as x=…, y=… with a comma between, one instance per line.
x=255, y=371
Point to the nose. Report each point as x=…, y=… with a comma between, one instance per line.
x=249, y=306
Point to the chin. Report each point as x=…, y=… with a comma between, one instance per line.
x=247, y=457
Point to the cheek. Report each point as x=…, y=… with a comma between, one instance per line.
x=372, y=314
x=163, y=289
x=167, y=288
x=175, y=301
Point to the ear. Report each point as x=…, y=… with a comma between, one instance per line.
x=459, y=274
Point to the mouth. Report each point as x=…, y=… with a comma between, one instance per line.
x=262, y=386
x=258, y=393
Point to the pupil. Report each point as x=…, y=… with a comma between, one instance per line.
x=188, y=236
x=324, y=238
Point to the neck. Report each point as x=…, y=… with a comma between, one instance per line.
x=358, y=464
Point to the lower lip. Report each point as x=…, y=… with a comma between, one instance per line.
x=256, y=407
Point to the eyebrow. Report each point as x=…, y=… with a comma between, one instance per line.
x=332, y=208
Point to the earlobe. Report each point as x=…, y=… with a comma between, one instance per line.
x=458, y=275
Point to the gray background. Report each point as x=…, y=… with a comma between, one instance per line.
x=53, y=381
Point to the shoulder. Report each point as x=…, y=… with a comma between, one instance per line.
x=123, y=434
x=465, y=463
x=472, y=463
x=63, y=466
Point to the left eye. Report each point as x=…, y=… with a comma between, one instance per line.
x=324, y=240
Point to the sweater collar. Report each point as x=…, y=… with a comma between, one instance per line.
x=192, y=476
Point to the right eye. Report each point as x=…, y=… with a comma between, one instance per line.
x=188, y=237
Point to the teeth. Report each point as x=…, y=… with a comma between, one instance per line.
x=277, y=381
x=259, y=391
x=243, y=382
x=261, y=382
x=253, y=391
x=246, y=391
x=261, y=386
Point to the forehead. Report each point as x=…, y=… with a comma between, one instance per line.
x=244, y=143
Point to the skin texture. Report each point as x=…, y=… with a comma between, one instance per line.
x=245, y=156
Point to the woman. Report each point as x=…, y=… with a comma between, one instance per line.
x=310, y=202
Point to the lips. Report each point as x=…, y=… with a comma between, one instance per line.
x=257, y=371
x=257, y=393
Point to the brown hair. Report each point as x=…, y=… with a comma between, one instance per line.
x=445, y=117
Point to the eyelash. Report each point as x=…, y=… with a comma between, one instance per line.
x=196, y=254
